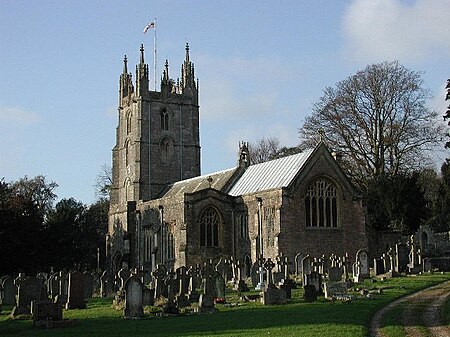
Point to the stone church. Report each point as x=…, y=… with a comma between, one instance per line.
x=163, y=211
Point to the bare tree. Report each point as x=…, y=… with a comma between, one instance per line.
x=263, y=150
x=103, y=182
x=377, y=120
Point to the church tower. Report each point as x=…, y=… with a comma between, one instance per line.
x=157, y=137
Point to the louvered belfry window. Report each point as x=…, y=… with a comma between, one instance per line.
x=321, y=204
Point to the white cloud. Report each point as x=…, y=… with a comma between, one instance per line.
x=395, y=29
x=17, y=116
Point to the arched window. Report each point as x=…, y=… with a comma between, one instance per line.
x=127, y=152
x=209, y=228
x=321, y=209
x=128, y=122
x=166, y=150
x=164, y=120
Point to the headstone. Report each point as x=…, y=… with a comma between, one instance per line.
x=195, y=282
x=298, y=264
x=133, y=298
x=378, y=266
x=75, y=298
x=46, y=311
x=362, y=259
x=314, y=279
x=219, y=287
x=306, y=268
x=106, y=284
x=53, y=285
x=309, y=293
x=335, y=274
x=171, y=282
x=335, y=289
x=402, y=257
x=240, y=286
x=254, y=274
x=273, y=295
x=123, y=274
x=148, y=296
x=88, y=281
x=147, y=273
x=30, y=289
x=9, y=291
x=159, y=275
x=206, y=300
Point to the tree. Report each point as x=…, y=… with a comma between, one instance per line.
x=103, y=182
x=447, y=113
x=23, y=207
x=263, y=150
x=377, y=120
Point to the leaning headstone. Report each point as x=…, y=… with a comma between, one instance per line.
x=9, y=291
x=133, y=298
x=75, y=297
x=30, y=289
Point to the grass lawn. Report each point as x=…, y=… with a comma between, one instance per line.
x=298, y=318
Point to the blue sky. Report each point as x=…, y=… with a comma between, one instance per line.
x=261, y=66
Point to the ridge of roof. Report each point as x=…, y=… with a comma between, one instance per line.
x=271, y=174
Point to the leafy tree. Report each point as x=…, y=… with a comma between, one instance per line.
x=396, y=203
x=377, y=120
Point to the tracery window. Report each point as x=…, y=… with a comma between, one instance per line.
x=128, y=122
x=209, y=228
x=164, y=120
x=166, y=150
x=321, y=204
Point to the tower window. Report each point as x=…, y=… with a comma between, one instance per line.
x=164, y=120
x=321, y=204
x=209, y=228
x=166, y=150
x=128, y=123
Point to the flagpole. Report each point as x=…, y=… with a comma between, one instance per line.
x=154, y=55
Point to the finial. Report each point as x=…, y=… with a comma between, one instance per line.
x=125, y=70
x=187, y=52
x=166, y=71
x=142, y=53
x=321, y=133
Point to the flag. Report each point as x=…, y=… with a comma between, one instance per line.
x=149, y=26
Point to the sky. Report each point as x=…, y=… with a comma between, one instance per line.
x=261, y=67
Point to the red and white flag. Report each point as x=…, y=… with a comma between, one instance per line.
x=151, y=25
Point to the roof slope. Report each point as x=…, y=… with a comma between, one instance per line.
x=272, y=174
x=215, y=180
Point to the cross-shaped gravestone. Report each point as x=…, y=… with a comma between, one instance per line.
x=159, y=274
x=268, y=266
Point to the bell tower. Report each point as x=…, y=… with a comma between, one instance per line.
x=157, y=137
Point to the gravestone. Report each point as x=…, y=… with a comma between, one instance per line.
x=362, y=259
x=30, y=289
x=88, y=281
x=314, y=279
x=335, y=274
x=46, y=311
x=206, y=300
x=148, y=296
x=147, y=273
x=378, y=266
x=53, y=285
x=240, y=286
x=171, y=282
x=133, y=298
x=195, y=282
x=159, y=275
x=335, y=289
x=254, y=274
x=106, y=284
x=298, y=264
x=9, y=291
x=219, y=286
x=306, y=268
x=123, y=274
x=75, y=297
x=402, y=257
x=309, y=293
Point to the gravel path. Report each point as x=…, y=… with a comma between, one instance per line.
x=421, y=309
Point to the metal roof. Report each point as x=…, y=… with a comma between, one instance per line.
x=276, y=173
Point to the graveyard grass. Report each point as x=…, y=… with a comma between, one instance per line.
x=322, y=318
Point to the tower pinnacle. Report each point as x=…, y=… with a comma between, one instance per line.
x=142, y=53
x=125, y=69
